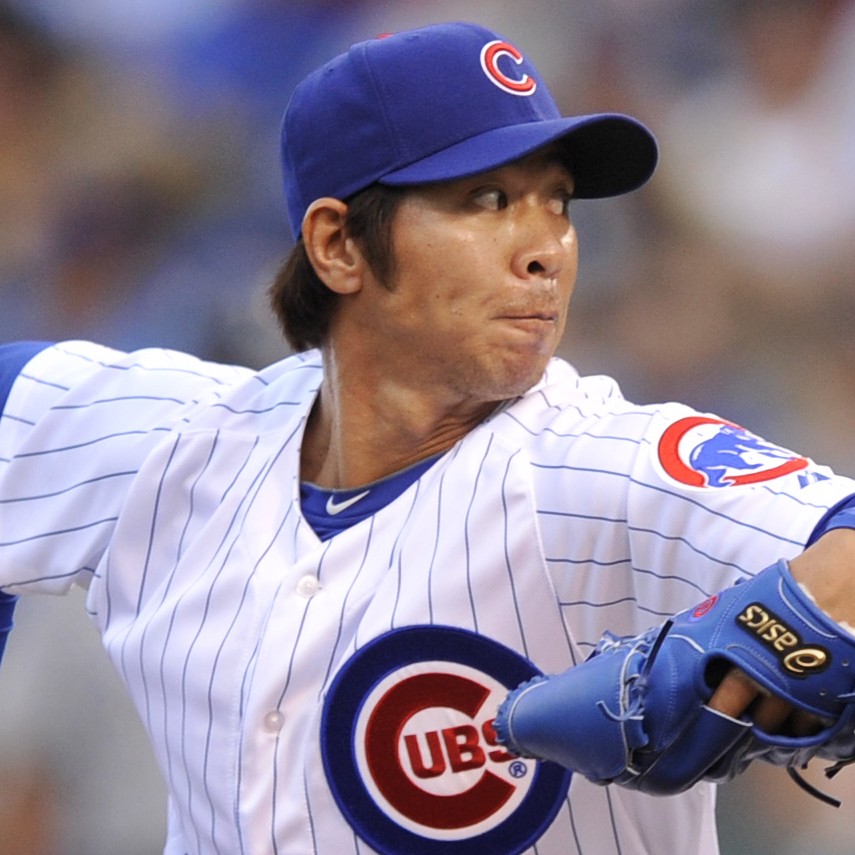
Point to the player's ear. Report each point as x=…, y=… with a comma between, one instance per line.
x=335, y=256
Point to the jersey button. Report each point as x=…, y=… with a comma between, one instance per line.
x=308, y=586
x=273, y=721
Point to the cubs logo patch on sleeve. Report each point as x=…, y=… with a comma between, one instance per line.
x=704, y=451
x=411, y=756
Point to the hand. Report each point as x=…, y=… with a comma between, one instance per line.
x=825, y=571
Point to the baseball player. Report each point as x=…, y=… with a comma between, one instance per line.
x=319, y=582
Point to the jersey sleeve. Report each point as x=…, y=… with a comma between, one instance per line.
x=13, y=358
x=79, y=421
x=709, y=502
x=646, y=510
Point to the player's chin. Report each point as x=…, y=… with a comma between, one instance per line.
x=518, y=371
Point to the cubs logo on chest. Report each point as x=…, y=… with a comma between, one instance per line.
x=410, y=753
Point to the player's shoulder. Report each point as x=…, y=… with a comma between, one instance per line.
x=569, y=421
x=88, y=391
x=83, y=370
x=567, y=414
x=68, y=362
x=564, y=400
x=85, y=389
x=264, y=400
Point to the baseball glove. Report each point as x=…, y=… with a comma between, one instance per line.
x=636, y=714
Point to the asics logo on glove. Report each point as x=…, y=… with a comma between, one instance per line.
x=781, y=639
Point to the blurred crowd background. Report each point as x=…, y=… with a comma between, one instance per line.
x=140, y=204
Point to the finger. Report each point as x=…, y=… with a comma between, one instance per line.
x=735, y=694
x=739, y=696
x=770, y=713
x=803, y=723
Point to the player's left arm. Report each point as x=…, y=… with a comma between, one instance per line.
x=764, y=669
x=825, y=571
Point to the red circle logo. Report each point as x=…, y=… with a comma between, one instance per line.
x=704, y=451
x=411, y=755
x=491, y=54
x=428, y=753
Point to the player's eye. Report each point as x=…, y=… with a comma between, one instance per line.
x=490, y=198
x=560, y=203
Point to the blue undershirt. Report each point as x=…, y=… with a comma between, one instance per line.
x=841, y=515
x=13, y=358
x=330, y=511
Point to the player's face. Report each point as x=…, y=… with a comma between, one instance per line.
x=484, y=270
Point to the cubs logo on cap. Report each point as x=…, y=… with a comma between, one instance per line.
x=491, y=54
x=411, y=756
x=704, y=451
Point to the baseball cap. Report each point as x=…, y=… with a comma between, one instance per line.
x=438, y=103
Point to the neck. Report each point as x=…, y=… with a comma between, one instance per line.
x=360, y=432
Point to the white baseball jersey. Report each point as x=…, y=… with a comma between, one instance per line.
x=335, y=696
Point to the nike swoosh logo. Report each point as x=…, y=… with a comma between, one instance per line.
x=334, y=507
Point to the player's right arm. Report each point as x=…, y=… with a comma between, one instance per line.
x=79, y=421
x=13, y=357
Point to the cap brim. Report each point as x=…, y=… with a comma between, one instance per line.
x=608, y=153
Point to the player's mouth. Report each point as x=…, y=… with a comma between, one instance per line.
x=531, y=320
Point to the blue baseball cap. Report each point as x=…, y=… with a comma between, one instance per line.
x=439, y=103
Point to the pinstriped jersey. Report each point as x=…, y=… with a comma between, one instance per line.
x=309, y=696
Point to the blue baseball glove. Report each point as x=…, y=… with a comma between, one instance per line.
x=636, y=714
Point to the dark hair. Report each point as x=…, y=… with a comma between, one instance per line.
x=302, y=303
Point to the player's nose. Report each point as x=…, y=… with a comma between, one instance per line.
x=544, y=245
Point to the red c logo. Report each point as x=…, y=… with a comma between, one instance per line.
x=491, y=53
x=383, y=733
